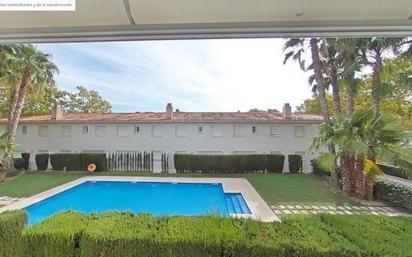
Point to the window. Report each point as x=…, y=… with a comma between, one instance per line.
x=122, y=130
x=216, y=131
x=157, y=131
x=299, y=131
x=253, y=129
x=181, y=130
x=24, y=130
x=65, y=151
x=200, y=129
x=43, y=151
x=275, y=152
x=43, y=131
x=85, y=130
x=100, y=131
x=238, y=130
x=275, y=131
x=136, y=129
x=66, y=131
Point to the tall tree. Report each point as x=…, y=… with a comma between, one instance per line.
x=295, y=49
x=84, y=101
x=29, y=67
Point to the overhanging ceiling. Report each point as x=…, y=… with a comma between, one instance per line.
x=104, y=20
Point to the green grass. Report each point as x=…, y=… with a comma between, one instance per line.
x=35, y=182
x=274, y=188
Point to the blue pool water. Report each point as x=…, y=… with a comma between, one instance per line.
x=160, y=199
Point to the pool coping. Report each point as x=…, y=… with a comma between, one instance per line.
x=259, y=208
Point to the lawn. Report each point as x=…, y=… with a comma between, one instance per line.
x=274, y=188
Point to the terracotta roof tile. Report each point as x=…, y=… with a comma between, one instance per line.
x=177, y=116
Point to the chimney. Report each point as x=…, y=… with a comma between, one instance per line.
x=56, y=112
x=287, y=111
x=169, y=111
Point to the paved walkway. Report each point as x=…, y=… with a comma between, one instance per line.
x=5, y=200
x=285, y=209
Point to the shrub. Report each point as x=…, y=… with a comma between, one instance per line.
x=395, y=171
x=295, y=163
x=395, y=193
x=316, y=169
x=19, y=163
x=71, y=161
x=128, y=235
x=77, y=161
x=275, y=162
x=228, y=163
x=26, y=158
x=11, y=227
x=96, y=158
x=42, y=161
x=58, y=236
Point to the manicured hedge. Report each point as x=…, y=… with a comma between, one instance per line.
x=58, y=236
x=395, y=171
x=228, y=163
x=77, y=161
x=11, y=227
x=295, y=163
x=26, y=158
x=42, y=161
x=394, y=193
x=128, y=235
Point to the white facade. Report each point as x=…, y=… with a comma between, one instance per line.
x=285, y=137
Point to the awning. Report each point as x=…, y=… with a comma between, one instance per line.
x=105, y=20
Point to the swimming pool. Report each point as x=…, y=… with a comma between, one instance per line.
x=156, y=198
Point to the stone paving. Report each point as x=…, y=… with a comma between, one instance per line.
x=5, y=200
x=287, y=209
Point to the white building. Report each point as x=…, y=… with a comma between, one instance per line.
x=169, y=131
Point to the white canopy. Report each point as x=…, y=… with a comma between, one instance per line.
x=101, y=20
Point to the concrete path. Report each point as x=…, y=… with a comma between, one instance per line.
x=5, y=200
x=287, y=209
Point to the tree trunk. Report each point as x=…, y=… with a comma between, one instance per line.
x=348, y=173
x=376, y=79
x=318, y=78
x=360, y=178
x=15, y=117
x=335, y=90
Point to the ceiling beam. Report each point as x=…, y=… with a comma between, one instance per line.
x=207, y=31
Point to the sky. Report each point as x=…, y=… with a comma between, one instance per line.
x=194, y=75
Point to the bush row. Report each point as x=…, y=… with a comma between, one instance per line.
x=71, y=161
x=394, y=193
x=228, y=163
x=395, y=171
x=11, y=227
x=295, y=163
x=23, y=162
x=127, y=235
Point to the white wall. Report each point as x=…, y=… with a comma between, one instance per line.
x=172, y=138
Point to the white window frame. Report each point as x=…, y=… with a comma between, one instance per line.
x=85, y=129
x=64, y=133
x=254, y=129
x=200, y=129
x=44, y=133
x=238, y=130
x=24, y=130
x=181, y=131
x=157, y=131
x=303, y=135
x=275, y=131
x=102, y=132
x=216, y=131
x=120, y=129
x=136, y=129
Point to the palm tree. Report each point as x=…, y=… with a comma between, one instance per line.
x=24, y=67
x=362, y=137
x=295, y=48
x=5, y=148
x=373, y=55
